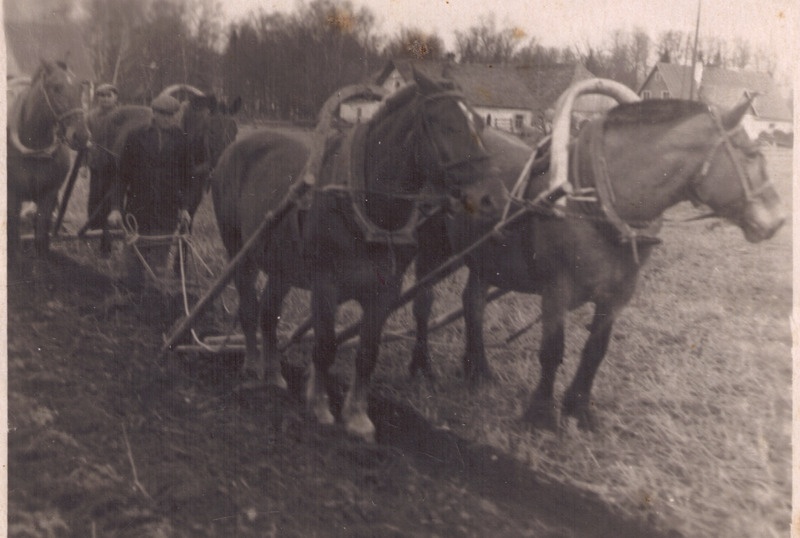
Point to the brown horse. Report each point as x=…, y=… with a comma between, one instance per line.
x=45, y=116
x=421, y=153
x=640, y=158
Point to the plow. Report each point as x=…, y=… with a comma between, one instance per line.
x=550, y=201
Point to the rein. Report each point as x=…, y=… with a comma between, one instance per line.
x=724, y=140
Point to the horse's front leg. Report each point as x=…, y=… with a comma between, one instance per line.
x=354, y=411
x=541, y=412
x=324, y=300
x=434, y=249
x=13, y=225
x=476, y=367
x=44, y=219
x=577, y=401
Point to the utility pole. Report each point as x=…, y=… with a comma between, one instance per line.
x=694, y=54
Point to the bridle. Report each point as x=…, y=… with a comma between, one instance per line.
x=751, y=192
x=441, y=161
x=64, y=115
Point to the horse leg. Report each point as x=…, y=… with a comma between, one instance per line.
x=271, y=302
x=541, y=412
x=12, y=231
x=245, y=278
x=324, y=300
x=576, y=399
x=433, y=251
x=44, y=218
x=354, y=411
x=476, y=367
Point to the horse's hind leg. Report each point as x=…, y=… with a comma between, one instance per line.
x=576, y=398
x=541, y=412
x=324, y=300
x=271, y=302
x=354, y=411
x=245, y=278
x=476, y=367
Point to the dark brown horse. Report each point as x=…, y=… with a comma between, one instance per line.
x=421, y=153
x=640, y=159
x=45, y=116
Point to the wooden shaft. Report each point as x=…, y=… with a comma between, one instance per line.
x=73, y=176
x=271, y=218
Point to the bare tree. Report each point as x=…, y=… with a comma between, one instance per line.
x=415, y=44
x=484, y=43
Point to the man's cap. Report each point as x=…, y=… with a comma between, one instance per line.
x=103, y=88
x=165, y=104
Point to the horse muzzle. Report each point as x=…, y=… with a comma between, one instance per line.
x=485, y=202
x=76, y=134
x=760, y=221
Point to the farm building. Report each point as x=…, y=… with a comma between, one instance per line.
x=548, y=82
x=515, y=99
x=723, y=88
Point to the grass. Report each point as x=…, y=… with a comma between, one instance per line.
x=694, y=395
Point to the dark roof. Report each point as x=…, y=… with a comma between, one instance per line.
x=548, y=82
x=725, y=88
x=494, y=86
x=29, y=42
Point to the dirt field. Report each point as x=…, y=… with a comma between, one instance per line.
x=106, y=441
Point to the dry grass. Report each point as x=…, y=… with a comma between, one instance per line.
x=693, y=397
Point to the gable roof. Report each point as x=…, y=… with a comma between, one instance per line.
x=484, y=85
x=725, y=88
x=28, y=42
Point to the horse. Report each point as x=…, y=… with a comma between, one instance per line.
x=640, y=159
x=421, y=153
x=45, y=119
x=206, y=127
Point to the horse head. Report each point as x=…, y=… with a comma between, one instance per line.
x=453, y=150
x=733, y=178
x=61, y=95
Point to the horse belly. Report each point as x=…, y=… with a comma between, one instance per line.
x=507, y=262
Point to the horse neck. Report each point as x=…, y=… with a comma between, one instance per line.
x=36, y=120
x=650, y=167
x=390, y=159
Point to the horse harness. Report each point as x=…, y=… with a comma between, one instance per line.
x=15, y=118
x=345, y=151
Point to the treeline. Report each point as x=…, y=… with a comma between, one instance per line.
x=286, y=65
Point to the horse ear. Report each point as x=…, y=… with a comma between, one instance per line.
x=732, y=117
x=425, y=83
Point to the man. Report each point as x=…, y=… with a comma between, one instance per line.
x=157, y=188
x=100, y=160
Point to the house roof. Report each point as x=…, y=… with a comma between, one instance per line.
x=548, y=83
x=485, y=85
x=29, y=42
x=725, y=88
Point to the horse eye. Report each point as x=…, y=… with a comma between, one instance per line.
x=58, y=88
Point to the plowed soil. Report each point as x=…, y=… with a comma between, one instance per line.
x=106, y=440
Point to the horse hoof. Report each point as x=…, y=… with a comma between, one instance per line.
x=361, y=426
x=323, y=414
x=542, y=415
x=581, y=410
x=277, y=380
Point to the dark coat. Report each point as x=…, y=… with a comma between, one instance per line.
x=156, y=183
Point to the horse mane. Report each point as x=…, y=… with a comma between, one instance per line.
x=654, y=111
x=392, y=103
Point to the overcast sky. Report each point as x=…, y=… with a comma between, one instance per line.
x=769, y=24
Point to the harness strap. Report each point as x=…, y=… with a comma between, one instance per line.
x=13, y=129
x=630, y=232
